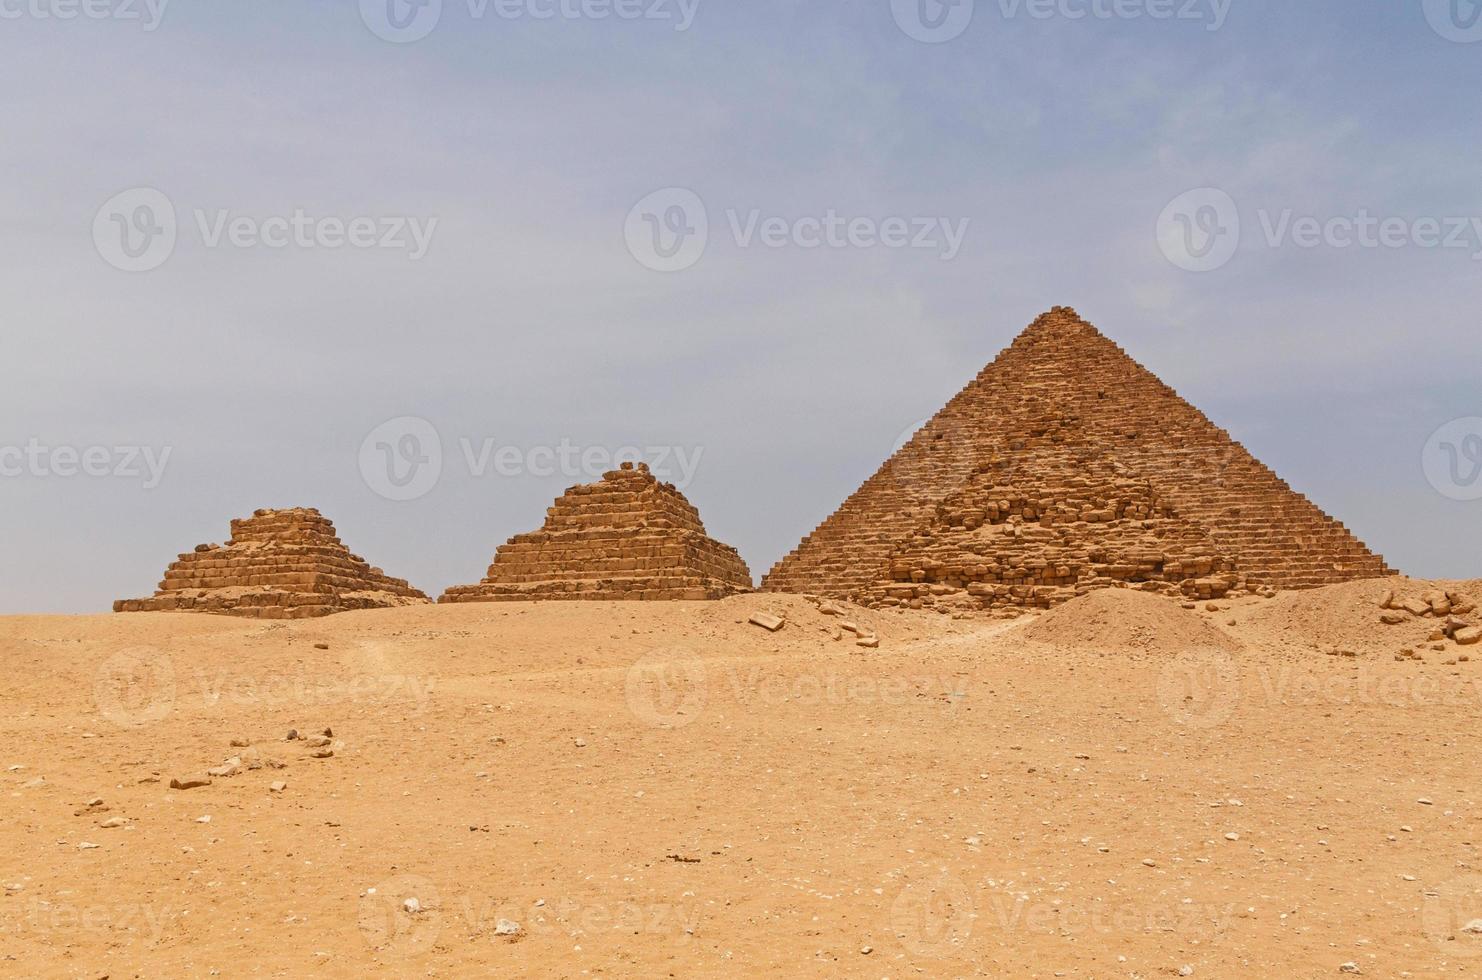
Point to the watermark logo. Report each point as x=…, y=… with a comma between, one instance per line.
x=1199, y=230
x=402, y=459
x=40, y=917
x=135, y=687
x=149, y=13
x=144, y=463
x=405, y=21
x=933, y=918
x=668, y=230
x=939, y=21
x=933, y=21
x=401, y=916
x=1455, y=20
x=1200, y=689
x=401, y=21
x=1452, y=916
x=667, y=688
x=1452, y=459
x=136, y=230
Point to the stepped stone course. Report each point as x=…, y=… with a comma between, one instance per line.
x=279, y=564
x=1066, y=466
x=626, y=537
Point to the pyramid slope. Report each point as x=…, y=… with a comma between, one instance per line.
x=628, y=537
x=278, y=564
x=1063, y=387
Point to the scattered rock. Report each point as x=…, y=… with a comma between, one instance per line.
x=325, y=753
x=768, y=622
x=411, y=906
x=277, y=786
x=321, y=646
x=190, y=782
x=870, y=642
x=505, y=927
x=1470, y=636
x=240, y=743
x=112, y=823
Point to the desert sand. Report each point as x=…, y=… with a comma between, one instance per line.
x=1119, y=787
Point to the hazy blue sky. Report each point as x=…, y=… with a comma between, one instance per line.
x=528, y=315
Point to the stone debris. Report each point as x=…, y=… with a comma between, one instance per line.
x=768, y=622
x=277, y=786
x=278, y=564
x=626, y=537
x=1447, y=607
x=506, y=927
x=190, y=782
x=1064, y=467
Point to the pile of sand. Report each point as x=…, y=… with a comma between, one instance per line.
x=1124, y=620
x=1346, y=616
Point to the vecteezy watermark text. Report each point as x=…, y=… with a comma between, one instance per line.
x=148, y=13
x=146, y=463
x=137, y=230
x=405, y=21
x=939, y=21
x=669, y=231
x=402, y=459
x=1201, y=230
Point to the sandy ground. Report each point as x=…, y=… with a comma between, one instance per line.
x=664, y=790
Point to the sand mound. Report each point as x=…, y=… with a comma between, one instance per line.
x=1347, y=616
x=1124, y=620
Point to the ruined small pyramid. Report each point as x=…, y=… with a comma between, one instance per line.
x=1063, y=467
x=626, y=537
x=278, y=564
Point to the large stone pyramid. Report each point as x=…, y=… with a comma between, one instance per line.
x=279, y=564
x=1063, y=467
x=627, y=537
